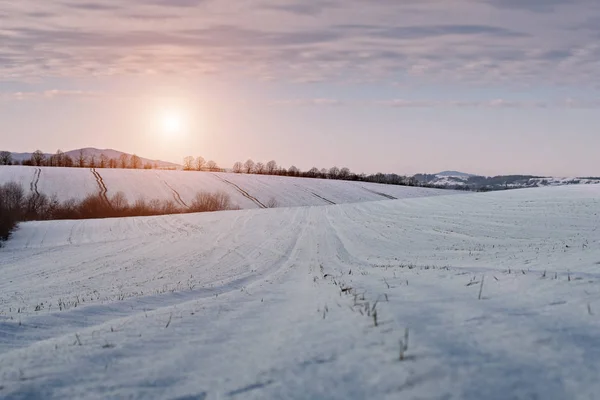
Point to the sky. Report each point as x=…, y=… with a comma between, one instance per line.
x=406, y=86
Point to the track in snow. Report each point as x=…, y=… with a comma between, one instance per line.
x=176, y=194
x=387, y=196
x=323, y=198
x=103, y=189
x=242, y=191
x=33, y=186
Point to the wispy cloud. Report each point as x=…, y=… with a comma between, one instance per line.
x=495, y=103
x=51, y=94
x=307, y=102
x=92, y=6
x=515, y=40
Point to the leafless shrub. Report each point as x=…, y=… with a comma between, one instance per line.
x=15, y=206
x=210, y=202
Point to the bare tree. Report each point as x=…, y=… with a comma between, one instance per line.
x=238, y=167
x=249, y=166
x=344, y=173
x=81, y=159
x=211, y=202
x=136, y=162
x=212, y=166
x=5, y=158
x=271, y=167
x=38, y=158
x=334, y=172
x=313, y=172
x=11, y=197
x=293, y=171
x=148, y=165
x=103, y=161
x=92, y=161
x=123, y=161
x=200, y=163
x=57, y=159
x=259, y=168
x=68, y=161
x=113, y=163
x=188, y=163
x=119, y=201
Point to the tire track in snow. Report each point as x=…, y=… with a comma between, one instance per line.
x=322, y=198
x=316, y=195
x=101, y=185
x=387, y=196
x=243, y=192
x=33, y=186
x=175, y=193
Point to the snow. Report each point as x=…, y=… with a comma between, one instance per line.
x=555, y=181
x=259, y=304
x=66, y=183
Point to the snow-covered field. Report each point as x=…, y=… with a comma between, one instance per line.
x=499, y=294
x=246, y=191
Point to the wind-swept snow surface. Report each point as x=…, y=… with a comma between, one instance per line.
x=498, y=295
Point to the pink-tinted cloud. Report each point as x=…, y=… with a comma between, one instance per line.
x=550, y=41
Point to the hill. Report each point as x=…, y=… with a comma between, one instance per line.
x=246, y=191
x=478, y=296
x=90, y=151
x=454, y=174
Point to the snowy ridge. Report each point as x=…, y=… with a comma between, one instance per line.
x=499, y=291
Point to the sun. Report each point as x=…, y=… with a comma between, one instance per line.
x=171, y=123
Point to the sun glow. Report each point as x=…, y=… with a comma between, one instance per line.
x=171, y=123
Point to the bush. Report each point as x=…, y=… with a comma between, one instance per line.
x=11, y=200
x=16, y=207
x=204, y=202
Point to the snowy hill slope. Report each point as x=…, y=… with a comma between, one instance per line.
x=500, y=293
x=247, y=191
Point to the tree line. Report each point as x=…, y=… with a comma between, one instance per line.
x=17, y=206
x=61, y=159
x=200, y=164
x=272, y=168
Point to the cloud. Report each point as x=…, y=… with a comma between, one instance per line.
x=312, y=8
x=92, y=6
x=533, y=5
x=495, y=103
x=549, y=42
x=419, y=32
x=307, y=102
x=39, y=14
x=175, y=3
x=50, y=94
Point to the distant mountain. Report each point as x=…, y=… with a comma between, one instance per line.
x=455, y=174
x=90, y=151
